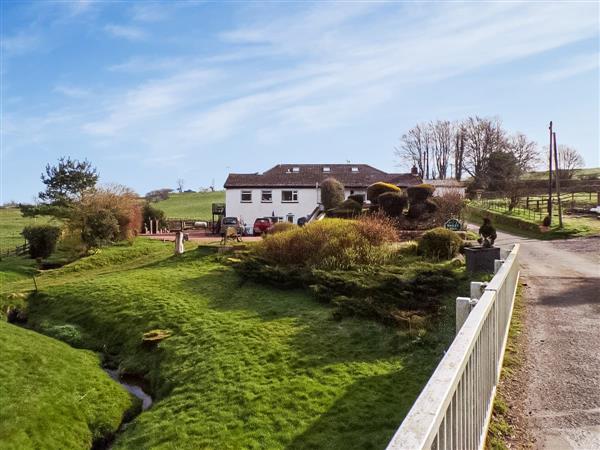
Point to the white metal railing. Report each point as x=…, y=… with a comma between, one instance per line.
x=454, y=408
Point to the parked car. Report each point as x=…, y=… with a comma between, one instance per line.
x=262, y=225
x=232, y=222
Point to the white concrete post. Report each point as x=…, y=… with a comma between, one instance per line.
x=179, y=249
x=477, y=289
x=497, y=264
x=463, y=308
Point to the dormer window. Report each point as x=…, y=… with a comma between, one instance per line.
x=326, y=169
x=295, y=169
x=355, y=169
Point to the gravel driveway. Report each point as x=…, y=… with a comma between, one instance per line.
x=556, y=393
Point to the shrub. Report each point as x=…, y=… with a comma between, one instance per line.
x=42, y=239
x=416, y=210
x=332, y=193
x=281, y=227
x=440, y=243
x=158, y=195
x=450, y=204
x=546, y=222
x=378, y=229
x=329, y=243
x=376, y=189
x=149, y=212
x=419, y=193
x=358, y=198
x=347, y=209
x=101, y=227
x=392, y=203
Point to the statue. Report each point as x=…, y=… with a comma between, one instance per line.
x=487, y=234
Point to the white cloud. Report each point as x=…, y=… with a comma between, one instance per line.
x=126, y=32
x=574, y=66
x=20, y=43
x=72, y=91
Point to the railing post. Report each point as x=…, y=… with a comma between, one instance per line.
x=497, y=264
x=464, y=305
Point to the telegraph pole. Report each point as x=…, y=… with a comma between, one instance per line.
x=550, y=176
x=556, y=168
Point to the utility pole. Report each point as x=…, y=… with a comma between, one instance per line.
x=556, y=168
x=550, y=176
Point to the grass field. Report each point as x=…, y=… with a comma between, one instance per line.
x=53, y=396
x=191, y=205
x=593, y=172
x=246, y=366
x=11, y=225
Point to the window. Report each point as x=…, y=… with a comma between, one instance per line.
x=246, y=196
x=355, y=169
x=266, y=196
x=290, y=218
x=295, y=169
x=326, y=169
x=289, y=196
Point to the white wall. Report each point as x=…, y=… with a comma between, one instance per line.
x=442, y=190
x=248, y=212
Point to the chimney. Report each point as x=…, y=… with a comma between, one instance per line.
x=414, y=170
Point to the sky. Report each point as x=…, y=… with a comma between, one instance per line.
x=151, y=92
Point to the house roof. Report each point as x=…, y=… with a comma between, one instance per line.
x=309, y=175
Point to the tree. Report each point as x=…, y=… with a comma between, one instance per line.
x=158, y=194
x=502, y=173
x=524, y=150
x=415, y=148
x=180, y=183
x=569, y=159
x=442, y=139
x=67, y=181
x=483, y=136
x=332, y=193
x=459, y=151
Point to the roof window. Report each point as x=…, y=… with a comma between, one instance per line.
x=326, y=169
x=295, y=169
x=355, y=169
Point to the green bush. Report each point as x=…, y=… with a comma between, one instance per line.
x=392, y=203
x=347, y=210
x=376, y=189
x=332, y=193
x=440, y=243
x=358, y=198
x=152, y=212
x=419, y=193
x=281, y=227
x=42, y=239
x=329, y=243
x=100, y=227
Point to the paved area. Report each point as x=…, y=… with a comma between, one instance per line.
x=557, y=391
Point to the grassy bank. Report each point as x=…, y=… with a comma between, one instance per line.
x=521, y=225
x=191, y=205
x=11, y=225
x=246, y=365
x=579, y=174
x=53, y=396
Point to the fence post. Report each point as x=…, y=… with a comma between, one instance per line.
x=463, y=308
x=498, y=264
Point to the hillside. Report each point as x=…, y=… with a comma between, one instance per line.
x=11, y=225
x=191, y=205
x=580, y=174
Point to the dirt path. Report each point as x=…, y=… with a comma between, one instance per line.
x=557, y=390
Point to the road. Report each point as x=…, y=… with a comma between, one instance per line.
x=556, y=393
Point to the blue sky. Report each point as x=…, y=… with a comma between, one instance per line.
x=151, y=92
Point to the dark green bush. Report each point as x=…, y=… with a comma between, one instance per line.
x=440, y=243
x=42, y=239
x=419, y=193
x=392, y=203
x=347, y=210
x=358, y=198
x=416, y=210
x=546, y=222
x=101, y=227
x=376, y=189
x=152, y=212
x=332, y=193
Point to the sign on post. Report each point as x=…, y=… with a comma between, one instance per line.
x=452, y=224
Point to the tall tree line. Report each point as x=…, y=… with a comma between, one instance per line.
x=442, y=149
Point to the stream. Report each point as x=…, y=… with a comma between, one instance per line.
x=132, y=387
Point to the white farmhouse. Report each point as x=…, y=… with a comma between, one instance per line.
x=292, y=191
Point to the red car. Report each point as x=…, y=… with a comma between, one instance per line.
x=262, y=225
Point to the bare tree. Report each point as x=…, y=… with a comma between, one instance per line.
x=524, y=150
x=483, y=136
x=442, y=139
x=459, y=150
x=180, y=182
x=569, y=159
x=415, y=148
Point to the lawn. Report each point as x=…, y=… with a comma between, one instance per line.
x=191, y=205
x=54, y=396
x=246, y=366
x=11, y=225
